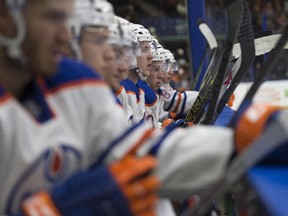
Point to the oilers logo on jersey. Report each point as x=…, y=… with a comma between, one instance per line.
x=52, y=167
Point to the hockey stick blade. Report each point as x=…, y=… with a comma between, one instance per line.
x=272, y=60
x=212, y=44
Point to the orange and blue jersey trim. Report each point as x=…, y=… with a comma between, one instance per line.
x=119, y=90
x=4, y=96
x=131, y=88
x=150, y=95
x=72, y=73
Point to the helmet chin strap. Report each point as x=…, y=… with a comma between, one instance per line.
x=139, y=72
x=76, y=49
x=13, y=45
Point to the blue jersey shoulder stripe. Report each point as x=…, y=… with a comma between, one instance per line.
x=69, y=71
x=4, y=95
x=117, y=141
x=131, y=87
x=150, y=95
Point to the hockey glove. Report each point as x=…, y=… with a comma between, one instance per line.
x=252, y=124
x=176, y=124
x=167, y=122
x=121, y=189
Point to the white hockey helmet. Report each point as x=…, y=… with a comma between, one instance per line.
x=116, y=33
x=142, y=33
x=13, y=44
x=82, y=16
x=126, y=30
x=154, y=44
x=172, y=60
x=170, y=56
x=160, y=54
x=99, y=13
x=104, y=13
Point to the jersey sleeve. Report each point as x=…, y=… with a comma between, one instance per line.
x=188, y=159
x=180, y=102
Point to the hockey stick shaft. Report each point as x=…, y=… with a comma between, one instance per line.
x=235, y=10
x=212, y=44
x=246, y=38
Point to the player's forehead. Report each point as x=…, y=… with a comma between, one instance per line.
x=58, y=6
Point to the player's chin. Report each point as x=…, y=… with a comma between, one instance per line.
x=48, y=69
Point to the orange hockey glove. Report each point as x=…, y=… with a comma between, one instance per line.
x=125, y=187
x=137, y=184
x=253, y=123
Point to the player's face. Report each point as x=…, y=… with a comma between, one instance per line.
x=122, y=63
x=156, y=74
x=47, y=34
x=144, y=60
x=96, y=50
x=167, y=76
x=115, y=75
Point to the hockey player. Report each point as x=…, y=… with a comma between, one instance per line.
x=139, y=69
x=128, y=43
x=49, y=124
x=71, y=151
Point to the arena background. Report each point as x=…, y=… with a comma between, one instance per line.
x=168, y=20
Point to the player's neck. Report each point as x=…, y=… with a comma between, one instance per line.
x=133, y=76
x=13, y=78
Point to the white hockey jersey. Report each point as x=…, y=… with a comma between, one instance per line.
x=76, y=123
x=135, y=101
x=177, y=102
x=122, y=96
x=64, y=131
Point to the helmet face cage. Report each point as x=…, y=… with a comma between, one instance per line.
x=13, y=44
x=175, y=66
x=166, y=67
x=169, y=59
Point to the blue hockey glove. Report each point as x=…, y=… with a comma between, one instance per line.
x=176, y=124
x=121, y=189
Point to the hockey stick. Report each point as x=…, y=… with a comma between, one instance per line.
x=205, y=92
x=246, y=38
x=263, y=45
x=212, y=44
x=271, y=62
x=214, y=82
x=236, y=12
x=257, y=150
